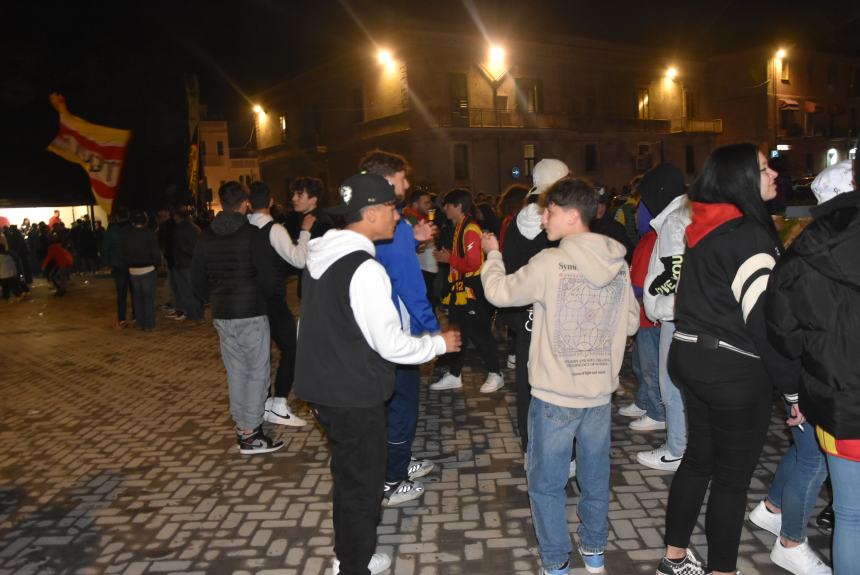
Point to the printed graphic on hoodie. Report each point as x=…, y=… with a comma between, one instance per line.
x=586, y=321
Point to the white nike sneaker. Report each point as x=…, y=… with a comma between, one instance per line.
x=448, y=381
x=659, y=458
x=379, y=562
x=493, y=383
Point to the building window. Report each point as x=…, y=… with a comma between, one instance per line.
x=690, y=154
x=785, y=71
x=220, y=148
x=590, y=157
x=282, y=122
x=203, y=147
x=459, y=99
x=357, y=106
x=854, y=87
x=644, y=104
x=689, y=104
x=461, y=161
x=528, y=159
x=529, y=93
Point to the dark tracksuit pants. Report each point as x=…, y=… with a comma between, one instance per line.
x=356, y=437
x=402, y=420
x=123, y=288
x=473, y=320
x=283, y=330
x=728, y=401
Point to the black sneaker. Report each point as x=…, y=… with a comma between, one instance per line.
x=689, y=565
x=825, y=519
x=257, y=442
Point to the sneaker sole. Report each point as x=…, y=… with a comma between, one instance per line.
x=491, y=389
x=421, y=473
x=444, y=387
x=659, y=466
x=400, y=500
x=648, y=428
x=256, y=451
x=272, y=417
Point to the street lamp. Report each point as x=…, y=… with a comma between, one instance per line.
x=671, y=73
x=258, y=109
x=779, y=55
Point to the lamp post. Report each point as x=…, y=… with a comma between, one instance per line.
x=495, y=69
x=778, y=56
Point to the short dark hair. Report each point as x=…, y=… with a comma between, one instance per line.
x=512, y=199
x=231, y=195
x=382, y=163
x=139, y=218
x=417, y=193
x=573, y=193
x=121, y=214
x=459, y=197
x=732, y=175
x=313, y=186
x=260, y=195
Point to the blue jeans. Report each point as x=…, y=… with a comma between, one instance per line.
x=143, y=298
x=552, y=430
x=845, y=477
x=797, y=482
x=402, y=420
x=645, y=368
x=673, y=401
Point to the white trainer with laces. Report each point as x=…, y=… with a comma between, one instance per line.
x=379, y=562
x=800, y=560
x=645, y=423
x=493, y=383
x=512, y=361
x=631, y=410
x=763, y=517
x=659, y=458
x=419, y=468
x=448, y=381
x=278, y=411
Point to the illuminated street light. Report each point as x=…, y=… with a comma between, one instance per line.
x=258, y=109
x=497, y=56
x=671, y=73
x=384, y=57
x=780, y=53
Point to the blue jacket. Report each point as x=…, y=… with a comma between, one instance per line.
x=407, y=282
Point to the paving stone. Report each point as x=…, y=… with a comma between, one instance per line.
x=120, y=458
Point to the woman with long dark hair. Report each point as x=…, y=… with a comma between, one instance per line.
x=720, y=357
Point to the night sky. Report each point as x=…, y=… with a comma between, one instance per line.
x=124, y=64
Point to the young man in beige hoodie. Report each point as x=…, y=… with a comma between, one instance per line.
x=584, y=309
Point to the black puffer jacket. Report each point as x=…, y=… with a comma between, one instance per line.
x=232, y=268
x=813, y=314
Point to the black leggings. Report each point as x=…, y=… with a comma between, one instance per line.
x=728, y=401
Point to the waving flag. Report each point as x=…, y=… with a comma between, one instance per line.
x=98, y=149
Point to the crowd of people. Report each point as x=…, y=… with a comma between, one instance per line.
x=721, y=313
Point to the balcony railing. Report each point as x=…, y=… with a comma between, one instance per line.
x=692, y=125
x=490, y=118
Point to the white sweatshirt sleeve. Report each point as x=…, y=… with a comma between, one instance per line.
x=370, y=300
x=294, y=254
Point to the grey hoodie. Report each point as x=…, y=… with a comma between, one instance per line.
x=584, y=309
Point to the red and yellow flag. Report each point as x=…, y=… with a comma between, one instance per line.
x=98, y=149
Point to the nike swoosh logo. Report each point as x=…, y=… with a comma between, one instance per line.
x=664, y=460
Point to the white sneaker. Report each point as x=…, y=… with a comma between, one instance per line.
x=659, y=458
x=493, y=383
x=401, y=492
x=448, y=381
x=763, y=517
x=512, y=361
x=278, y=411
x=645, y=423
x=419, y=468
x=800, y=560
x=379, y=562
x=572, y=471
x=632, y=410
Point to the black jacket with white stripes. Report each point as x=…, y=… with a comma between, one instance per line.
x=722, y=290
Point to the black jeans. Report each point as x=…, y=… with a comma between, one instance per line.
x=283, y=330
x=356, y=437
x=121, y=282
x=473, y=320
x=728, y=403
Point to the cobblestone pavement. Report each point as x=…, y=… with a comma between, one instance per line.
x=119, y=457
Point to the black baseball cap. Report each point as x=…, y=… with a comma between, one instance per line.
x=360, y=191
